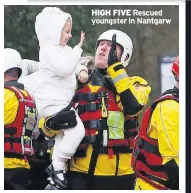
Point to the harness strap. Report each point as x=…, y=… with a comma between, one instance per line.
x=10, y=130
x=89, y=107
x=89, y=139
x=132, y=133
x=89, y=97
x=155, y=168
x=117, y=164
x=12, y=140
x=116, y=150
x=13, y=155
x=148, y=147
x=93, y=161
x=92, y=124
x=154, y=178
x=95, y=152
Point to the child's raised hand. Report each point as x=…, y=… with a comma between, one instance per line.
x=82, y=39
x=82, y=36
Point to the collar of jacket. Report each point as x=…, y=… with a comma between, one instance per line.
x=100, y=72
x=14, y=83
x=174, y=92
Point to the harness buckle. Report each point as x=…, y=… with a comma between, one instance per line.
x=92, y=106
x=90, y=97
x=104, y=112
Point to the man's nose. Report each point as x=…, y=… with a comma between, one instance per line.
x=104, y=47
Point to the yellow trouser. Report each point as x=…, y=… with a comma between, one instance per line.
x=142, y=185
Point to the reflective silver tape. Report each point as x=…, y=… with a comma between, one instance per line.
x=121, y=76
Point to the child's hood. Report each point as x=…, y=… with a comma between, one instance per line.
x=49, y=24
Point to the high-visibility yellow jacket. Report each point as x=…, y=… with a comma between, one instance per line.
x=11, y=105
x=135, y=88
x=164, y=127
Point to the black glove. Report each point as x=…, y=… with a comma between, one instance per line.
x=112, y=57
x=172, y=170
x=62, y=120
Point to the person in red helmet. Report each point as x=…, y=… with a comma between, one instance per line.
x=156, y=153
x=175, y=69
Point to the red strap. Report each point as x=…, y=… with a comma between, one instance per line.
x=118, y=142
x=25, y=158
x=110, y=153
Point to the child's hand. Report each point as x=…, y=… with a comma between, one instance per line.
x=83, y=76
x=82, y=39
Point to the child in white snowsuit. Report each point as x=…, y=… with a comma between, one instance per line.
x=56, y=82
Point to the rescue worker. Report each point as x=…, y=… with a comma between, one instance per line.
x=20, y=118
x=156, y=154
x=108, y=106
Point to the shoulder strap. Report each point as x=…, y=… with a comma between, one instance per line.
x=18, y=93
x=149, y=111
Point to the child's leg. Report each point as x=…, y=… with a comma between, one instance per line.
x=71, y=140
x=58, y=167
x=55, y=178
x=57, y=161
x=66, y=143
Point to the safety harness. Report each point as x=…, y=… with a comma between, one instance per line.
x=18, y=135
x=146, y=159
x=103, y=120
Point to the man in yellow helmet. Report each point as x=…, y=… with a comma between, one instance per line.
x=156, y=154
x=20, y=118
x=108, y=105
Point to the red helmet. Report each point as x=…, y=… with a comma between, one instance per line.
x=175, y=68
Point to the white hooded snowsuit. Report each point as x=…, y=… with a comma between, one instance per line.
x=55, y=82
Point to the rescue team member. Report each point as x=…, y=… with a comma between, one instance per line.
x=156, y=154
x=20, y=117
x=108, y=105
